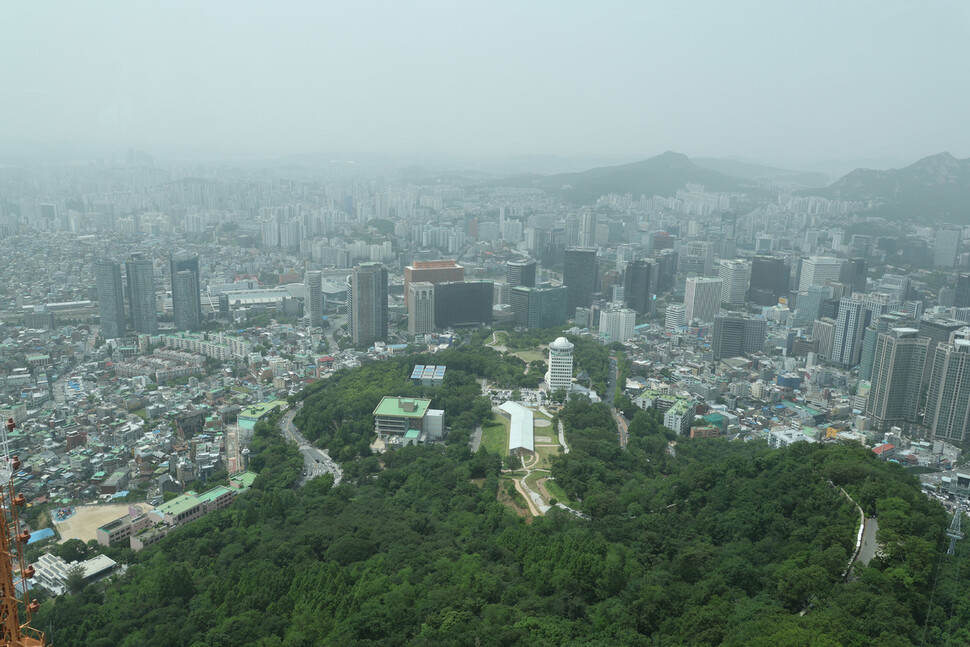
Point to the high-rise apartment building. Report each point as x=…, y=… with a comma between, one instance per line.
x=735, y=335
x=735, y=277
x=938, y=330
x=897, y=370
x=421, y=312
x=616, y=324
x=432, y=272
x=818, y=270
x=367, y=303
x=186, y=292
x=111, y=298
x=850, y=327
x=948, y=397
x=640, y=285
x=313, y=298
x=560, y=365
x=702, y=299
x=521, y=273
x=579, y=277
x=140, y=274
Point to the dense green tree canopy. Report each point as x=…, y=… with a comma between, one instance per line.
x=715, y=543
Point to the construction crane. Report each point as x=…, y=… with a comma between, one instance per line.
x=954, y=532
x=14, y=572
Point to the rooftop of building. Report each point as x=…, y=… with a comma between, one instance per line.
x=399, y=407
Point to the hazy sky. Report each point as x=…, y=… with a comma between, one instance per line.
x=765, y=80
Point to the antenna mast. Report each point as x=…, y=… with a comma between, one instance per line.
x=12, y=583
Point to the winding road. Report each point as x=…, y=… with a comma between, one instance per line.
x=316, y=462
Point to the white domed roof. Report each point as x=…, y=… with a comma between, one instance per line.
x=561, y=344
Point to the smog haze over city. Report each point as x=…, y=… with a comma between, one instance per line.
x=431, y=323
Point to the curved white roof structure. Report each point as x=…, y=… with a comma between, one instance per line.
x=561, y=343
x=520, y=426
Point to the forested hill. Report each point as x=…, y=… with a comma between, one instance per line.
x=726, y=543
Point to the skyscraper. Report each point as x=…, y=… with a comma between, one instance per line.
x=579, y=277
x=947, y=246
x=850, y=327
x=855, y=275
x=432, y=272
x=186, y=298
x=897, y=370
x=421, y=312
x=675, y=316
x=367, y=303
x=735, y=277
x=769, y=280
x=560, y=365
x=702, y=299
x=818, y=270
x=734, y=336
x=458, y=303
x=948, y=397
x=140, y=273
x=537, y=308
x=696, y=258
x=313, y=298
x=938, y=330
x=111, y=298
x=521, y=273
x=640, y=285
x=961, y=296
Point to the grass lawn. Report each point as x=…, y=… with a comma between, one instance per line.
x=495, y=435
x=531, y=355
x=558, y=493
x=545, y=457
x=538, y=414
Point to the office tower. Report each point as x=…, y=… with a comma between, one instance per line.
x=460, y=303
x=313, y=298
x=537, y=308
x=735, y=277
x=521, y=273
x=500, y=293
x=938, y=330
x=948, y=397
x=367, y=303
x=421, y=312
x=616, y=324
x=880, y=324
x=587, y=234
x=432, y=272
x=735, y=335
x=560, y=365
x=639, y=285
x=849, y=330
x=897, y=371
x=186, y=298
x=947, y=246
x=823, y=333
x=572, y=231
x=608, y=281
x=111, y=298
x=675, y=317
x=579, y=277
x=140, y=273
x=855, y=275
x=702, y=299
x=961, y=296
x=769, y=280
x=696, y=258
x=818, y=270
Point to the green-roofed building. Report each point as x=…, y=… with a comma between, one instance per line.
x=249, y=416
x=395, y=416
x=242, y=481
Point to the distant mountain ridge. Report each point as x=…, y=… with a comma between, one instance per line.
x=936, y=188
x=660, y=175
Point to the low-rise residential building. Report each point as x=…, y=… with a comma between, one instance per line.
x=678, y=412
